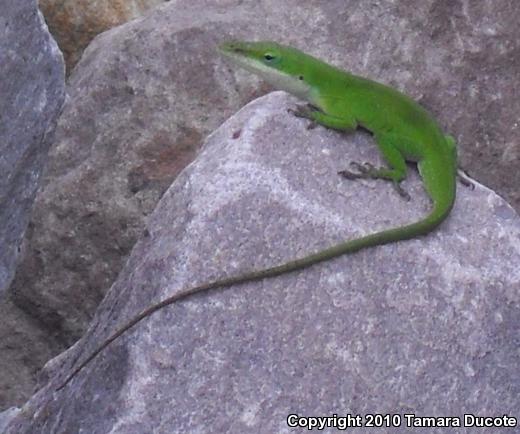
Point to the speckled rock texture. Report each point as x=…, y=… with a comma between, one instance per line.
x=428, y=326
x=6, y=416
x=145, y=95
x=74, y=23
x=32, y=90
x=31, y=96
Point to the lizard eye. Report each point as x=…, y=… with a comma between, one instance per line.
x=268, y=56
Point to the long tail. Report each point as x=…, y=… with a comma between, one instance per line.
x=422, y=227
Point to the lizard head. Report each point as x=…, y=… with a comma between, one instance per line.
x=281, y=66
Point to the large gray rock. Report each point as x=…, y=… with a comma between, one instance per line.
x=25, y=346
x=146, y=93
x=6, y=416
x=31, y=96
x=428, y=326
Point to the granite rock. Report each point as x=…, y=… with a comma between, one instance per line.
x=74, y=23
x=426, y=327
x=146, y=94
x=31, y=95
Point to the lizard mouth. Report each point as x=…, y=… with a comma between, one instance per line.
x=251, y=56
x=231, y=47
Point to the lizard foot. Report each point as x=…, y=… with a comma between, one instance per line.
x=304, y=111
x=365, y=170
x=401, y=191
x=369, y=171
x=464, y=179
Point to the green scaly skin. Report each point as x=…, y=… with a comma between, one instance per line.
x=403, y=131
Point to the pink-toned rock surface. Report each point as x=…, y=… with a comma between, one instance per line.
x=74, y=23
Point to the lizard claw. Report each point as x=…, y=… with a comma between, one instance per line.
x=364, y=170
x=301, y=111
x=348, y=174
x=464, y=179
x=305, y=112
x=401, y=191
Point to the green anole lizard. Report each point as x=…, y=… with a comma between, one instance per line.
x=402, y=129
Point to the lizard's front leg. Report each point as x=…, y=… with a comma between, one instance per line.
x=317, y=116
